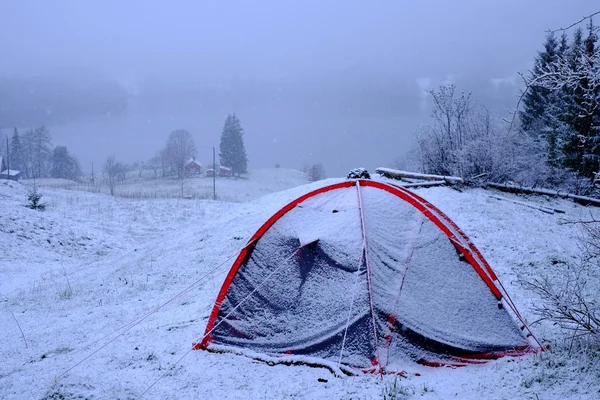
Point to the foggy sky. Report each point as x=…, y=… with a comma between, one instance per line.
x=294, y=44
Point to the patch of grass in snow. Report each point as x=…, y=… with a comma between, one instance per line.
x=426, y=389
x=66, y=292
x=568, y=365
x=396, y=391
x=68, y=392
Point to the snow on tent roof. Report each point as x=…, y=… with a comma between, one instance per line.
x=365, y=274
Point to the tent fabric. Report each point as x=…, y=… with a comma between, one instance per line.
x=365, y=274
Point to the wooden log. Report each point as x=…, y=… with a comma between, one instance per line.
x=396, y=174
x=547, y=192
x=547, y=210
x=421, y=184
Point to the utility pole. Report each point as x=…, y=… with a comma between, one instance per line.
x=7, y=158
x=214, y=176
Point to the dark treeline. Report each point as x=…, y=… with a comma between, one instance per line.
x=33, y=154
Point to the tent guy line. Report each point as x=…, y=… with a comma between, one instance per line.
x=126, y=327
x=223, y=320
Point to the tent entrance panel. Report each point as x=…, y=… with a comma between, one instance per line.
x=304, y=307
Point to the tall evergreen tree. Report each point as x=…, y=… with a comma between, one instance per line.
x=554, y=116
x=536, y=98
x=582, y=147
x=591, y=104
x=573, y=147
x=16, y=151
x=232, y=152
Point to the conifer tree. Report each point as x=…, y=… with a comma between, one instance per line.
x=536, y=99
x=16, y=151
x=232, y=152
x=582, y=146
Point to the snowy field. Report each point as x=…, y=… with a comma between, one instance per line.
x=257, y=183
x=73, y=275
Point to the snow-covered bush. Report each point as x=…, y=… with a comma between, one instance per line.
x=465, y=140
x=359, y=173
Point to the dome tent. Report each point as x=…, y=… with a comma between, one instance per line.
x=365, y=275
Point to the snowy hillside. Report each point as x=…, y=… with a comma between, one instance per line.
x=75, y=277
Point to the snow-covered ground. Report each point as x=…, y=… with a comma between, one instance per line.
x=90, y=264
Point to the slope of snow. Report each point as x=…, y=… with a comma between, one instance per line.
x=72, y=275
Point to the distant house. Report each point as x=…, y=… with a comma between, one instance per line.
x=223, y=171
x=5, y=173
x=192, y=167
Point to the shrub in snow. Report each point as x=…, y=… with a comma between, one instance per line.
x=34, y=199
x=359, y=173
x=573, y=303
x=465, y=140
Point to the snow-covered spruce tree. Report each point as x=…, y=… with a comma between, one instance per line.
x=538, y=98
x=35, y=200
x=572, y=118
x=16, y=151
x=232, y=152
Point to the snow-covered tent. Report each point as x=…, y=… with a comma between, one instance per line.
x=367, y=275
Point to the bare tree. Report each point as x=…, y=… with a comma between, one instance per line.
x=140, y=166
x=37, y=149
x=154, y=164
x=111, y=168
x=180, y=148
